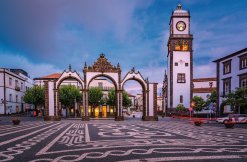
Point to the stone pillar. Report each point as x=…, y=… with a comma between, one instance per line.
x=51, y=104
x=151, y=103
x=85, y=116
x=46, y=107
x=119, y=108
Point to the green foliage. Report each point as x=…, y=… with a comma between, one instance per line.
x=236, y=99
x=35, y=96
x=180, y=108
x=112, y=99
x=126, y=100
x=198, y=103
x=213, y=97
x=68, y=94
x=95, y=95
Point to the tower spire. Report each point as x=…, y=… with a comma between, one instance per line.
x=70, y=67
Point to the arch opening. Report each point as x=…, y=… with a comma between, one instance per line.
x=69, y=97
x=105, y=106
x=136, y=91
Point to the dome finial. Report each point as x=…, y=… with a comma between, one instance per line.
x=179, y=6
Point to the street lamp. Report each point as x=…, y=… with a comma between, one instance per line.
x=191, y=108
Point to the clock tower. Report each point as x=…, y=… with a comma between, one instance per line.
x=180, y=60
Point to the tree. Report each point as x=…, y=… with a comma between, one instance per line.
x=35, y=96
x=95, y=95
x=198, y=103
x=112, y=99
x=180, y=109
x=237, y=99
x=213, y=97
x=126, y=100
x=68, y=94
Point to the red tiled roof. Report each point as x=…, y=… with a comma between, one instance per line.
x=203, y=90
x=51, y=76
x=204, y=79
x=130, y=95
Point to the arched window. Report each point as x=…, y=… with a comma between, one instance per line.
x=185, y=46
x=177, y=46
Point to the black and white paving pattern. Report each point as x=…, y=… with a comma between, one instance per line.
x=132, y=140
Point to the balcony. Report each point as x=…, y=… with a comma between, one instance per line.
x=17, y=88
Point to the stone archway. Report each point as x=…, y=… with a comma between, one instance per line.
x=52, y=105
x=102, y=67
x=149, y=91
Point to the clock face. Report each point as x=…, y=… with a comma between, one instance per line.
x=181, y=26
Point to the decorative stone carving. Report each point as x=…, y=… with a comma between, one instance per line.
x=103, y=65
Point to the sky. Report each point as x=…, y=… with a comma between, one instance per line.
x=44, y=37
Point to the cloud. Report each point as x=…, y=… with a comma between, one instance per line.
x=43, y=29
x=203, y=71
x=34, y=70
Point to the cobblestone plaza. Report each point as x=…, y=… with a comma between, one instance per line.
x=130, y=140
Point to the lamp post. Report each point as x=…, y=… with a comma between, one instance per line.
x=191, y=108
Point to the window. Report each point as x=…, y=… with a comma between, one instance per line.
x=177, y=46
x=100, y=84
x=10, y=81
x=21, y=86
x=185, y=46
x=16, y=83
x=176, y=64
x=10, y=97
x=227, y=67
x=16, y=98
x=226, y=86
x=243, y=62
x=186, y=64
x=181, y=78
x=181, y=99
x=243, y=81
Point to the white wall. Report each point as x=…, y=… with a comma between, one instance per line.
x=151, y=99
x=204, y=84
x=159, y=103
x=51, y=98
x=183, y=89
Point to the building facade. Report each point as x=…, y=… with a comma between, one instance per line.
x=13, y=85
x=180, y=60
x=203, y=87
x=231, y=74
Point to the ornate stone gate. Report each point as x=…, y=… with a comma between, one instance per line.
x=101, y=68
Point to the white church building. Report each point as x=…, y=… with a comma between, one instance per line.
x=180, y=59
x=179, y=86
